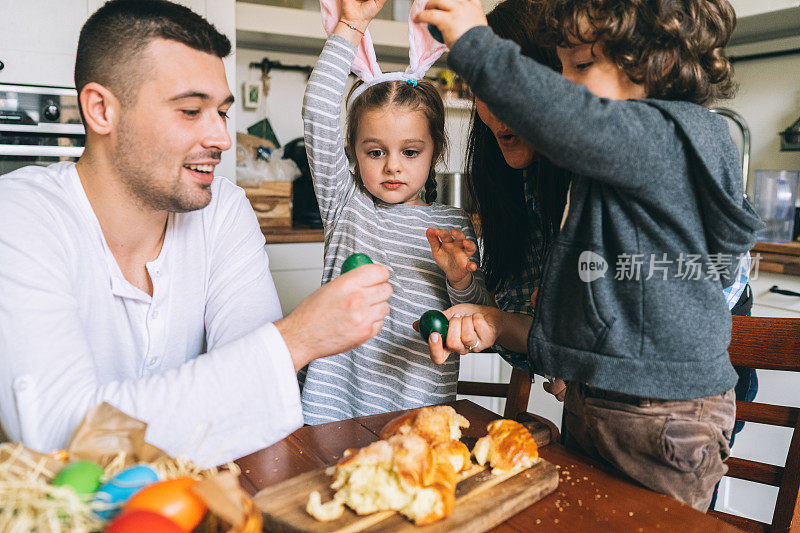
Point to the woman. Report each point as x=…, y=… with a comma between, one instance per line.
x=519, y=195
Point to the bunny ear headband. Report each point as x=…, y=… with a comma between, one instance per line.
x=423, y=50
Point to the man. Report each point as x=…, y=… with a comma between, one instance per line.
x=138, y=278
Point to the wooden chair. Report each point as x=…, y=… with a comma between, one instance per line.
x=517, y=392
x=771, y=344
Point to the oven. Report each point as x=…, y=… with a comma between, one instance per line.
x=38, y=126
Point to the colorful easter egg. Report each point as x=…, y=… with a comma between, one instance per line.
x=355, y=261
x=143, y=521
x=115, y=492
x=431, y=321
x=81, y=476
x=172, y=498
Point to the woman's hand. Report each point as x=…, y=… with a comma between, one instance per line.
x=452, y=251
x=453, y=17
x=359, y=13
x=472, y=328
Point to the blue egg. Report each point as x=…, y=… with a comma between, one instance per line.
x=113, y=494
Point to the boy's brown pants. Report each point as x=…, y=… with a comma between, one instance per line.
x=675, y=447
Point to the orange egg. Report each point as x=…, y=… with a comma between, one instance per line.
x=172, y=498
x=141, y=521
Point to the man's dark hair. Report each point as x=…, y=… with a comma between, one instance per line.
x=114, y=37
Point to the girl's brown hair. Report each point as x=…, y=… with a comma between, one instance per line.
x=674, y=48
x=422, y=96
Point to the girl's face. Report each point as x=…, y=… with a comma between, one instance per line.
x=587, y=65
x=517, y=153
x=394, y=150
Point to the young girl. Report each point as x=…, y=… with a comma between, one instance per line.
x=395, y=136
x=630, y=310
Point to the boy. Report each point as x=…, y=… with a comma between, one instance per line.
x=630, y=310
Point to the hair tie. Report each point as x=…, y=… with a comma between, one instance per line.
x=413, y=83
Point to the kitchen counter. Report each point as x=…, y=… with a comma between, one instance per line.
x=781, y=258
x=292, y=235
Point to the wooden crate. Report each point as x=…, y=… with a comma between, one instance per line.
x=272, y=202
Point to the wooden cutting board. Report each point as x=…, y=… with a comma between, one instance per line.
x=483, y=500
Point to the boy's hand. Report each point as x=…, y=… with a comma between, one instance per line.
x=557, y=388
x=453, y=17
x=452, y=252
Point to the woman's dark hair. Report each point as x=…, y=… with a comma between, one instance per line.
x=111, y=41
x=674, y=48
x=420, y=97
x=496, y=189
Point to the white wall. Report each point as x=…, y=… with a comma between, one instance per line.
x=769, y=100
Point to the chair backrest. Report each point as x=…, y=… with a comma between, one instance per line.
x=516, y=392
x=769, y=344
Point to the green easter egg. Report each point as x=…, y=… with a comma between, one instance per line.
x=83, y=477
x=355, y=261
x=431, y=321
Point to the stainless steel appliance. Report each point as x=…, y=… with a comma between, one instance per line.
x=738, y=119
x=38, y=126
x=451, y=189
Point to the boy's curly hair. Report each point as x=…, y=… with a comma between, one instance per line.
x=674, y=48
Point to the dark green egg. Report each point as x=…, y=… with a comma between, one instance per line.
x=355, y=261
x=431, y=321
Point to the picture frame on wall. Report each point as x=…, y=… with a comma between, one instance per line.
x=251, y=94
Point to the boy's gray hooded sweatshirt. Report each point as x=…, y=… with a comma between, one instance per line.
x=657, y=184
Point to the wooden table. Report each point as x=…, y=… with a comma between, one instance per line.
x=590, y=496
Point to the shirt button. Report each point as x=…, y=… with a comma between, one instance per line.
x=157, y=272
x=152, y=362
x=154, y=314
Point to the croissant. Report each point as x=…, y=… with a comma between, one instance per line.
x=456, y=452
x=439, y=423
x=403, y=473
x=507, y=446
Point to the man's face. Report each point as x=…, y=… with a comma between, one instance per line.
x=170, y=138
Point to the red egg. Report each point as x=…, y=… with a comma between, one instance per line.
x=173, y=499
x=140, y=521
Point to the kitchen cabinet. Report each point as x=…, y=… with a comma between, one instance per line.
x=760, y=20
x=263, y=24
x=300, y=31
x=38, y=39
x=296, y=270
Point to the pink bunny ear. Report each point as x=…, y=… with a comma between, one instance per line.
x=365, y=65
x=424, y=50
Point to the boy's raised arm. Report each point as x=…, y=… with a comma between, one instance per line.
x=617, y=141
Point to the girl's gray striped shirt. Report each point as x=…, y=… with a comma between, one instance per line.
x=393, y=370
